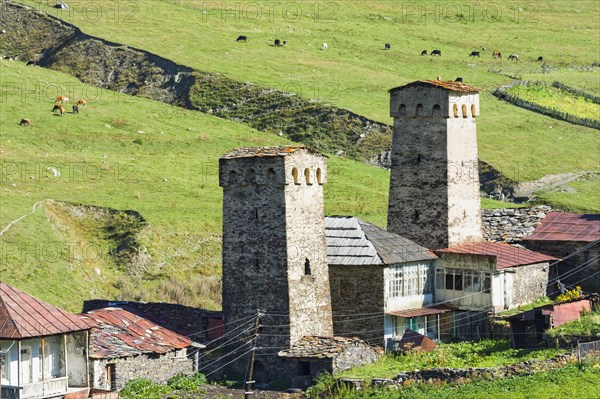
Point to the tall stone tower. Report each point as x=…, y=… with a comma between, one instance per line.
x=434, y=186
x=274, y=250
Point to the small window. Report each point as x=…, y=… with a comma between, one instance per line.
x=295, y=175
x=437, y=110
x=416, y=215
x=319, y=176
x=256, y=264
x=307, y=267
x=271, y=175
x=251, y=176
x=233, y=177
x=307, y=176
x=464, y=111
x=402, y=110
x=487, y=283
x=455, y=109
x=458, y=281
x=419, y=158
x=449, y=280
x=473, y=110
x=419, y=109
x=305, y=368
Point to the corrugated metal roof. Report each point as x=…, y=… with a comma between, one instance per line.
x=351, y=241
x=443, y=84
x=506, y=255
x=563, y=226
x=24, y=316
x=421, y=312
x=119, y=333
x=281, y=151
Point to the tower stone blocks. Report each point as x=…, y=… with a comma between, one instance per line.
x=274, y=250
x=434, y=185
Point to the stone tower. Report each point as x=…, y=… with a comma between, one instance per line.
x=274, y=250
x=434, y=185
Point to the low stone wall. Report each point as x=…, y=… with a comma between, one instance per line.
x=511, y=225
x=450, y=375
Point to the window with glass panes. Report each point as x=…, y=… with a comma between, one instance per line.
x=464, y=280
x=395, y=283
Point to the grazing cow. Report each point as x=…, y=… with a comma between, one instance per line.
x=483, y=49
x=540, y=58
x=439, y=78
x=324, y=46
x=31, y=63
x=388, y=46
x=437, y=52
x=424, y=52
x=75, y=109
x=62, y=99
x=475, y=54
x=277, y=42
x=242, y=38
x=59, y=108
x=285, y=42
x=81, y=101
x=459, y=79
x=514, y=57
x=496, y=54
x=25, y=122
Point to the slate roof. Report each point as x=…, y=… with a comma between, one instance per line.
x=563, y=226
x=24, y=316
x=119, y=333
x=352, y=241
x=505, y=255
x=443, y=84
x=251, y=152
x=321, y=347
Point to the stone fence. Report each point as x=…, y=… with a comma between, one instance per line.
x=511, y=225
x=577, y=92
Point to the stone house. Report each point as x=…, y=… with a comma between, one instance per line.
x=43, y=349
x=125, y=346
x=476, y=278
x=576, y=240
x=374, y=272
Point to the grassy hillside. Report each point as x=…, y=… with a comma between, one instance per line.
x=123, y=152
x=355, y=72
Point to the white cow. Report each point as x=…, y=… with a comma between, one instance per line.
x=324, y=46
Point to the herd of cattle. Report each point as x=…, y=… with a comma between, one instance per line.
x=59, y=104
x=495, y=54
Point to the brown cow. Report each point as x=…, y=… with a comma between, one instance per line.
x=25, y=122
x=59, y=108
x=496, y=54
x=81, y=101
x=62, y=99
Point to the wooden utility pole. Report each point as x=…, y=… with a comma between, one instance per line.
x=249, y=381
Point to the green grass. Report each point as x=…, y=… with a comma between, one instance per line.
x=581, y=196
x=539, y=302
x=557, y=99
x=355, y=73
x=567, y=382
x=485, y=353
x=588, y=324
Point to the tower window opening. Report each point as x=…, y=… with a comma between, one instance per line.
x=251, y=176
x=455, y=109
x=402, y=110
x=307, y=176
x=295, y=175
x=419, y=158
x=419, y=109
x=319, y=176
x=232, y=177
x=271, y=174
x=464, y=111
x=307, y=267
x=256, y=264
x=256, y=214
x=416, y=215
x=436, y=110
x=473, y=110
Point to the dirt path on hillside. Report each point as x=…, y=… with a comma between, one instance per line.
x=548, y=182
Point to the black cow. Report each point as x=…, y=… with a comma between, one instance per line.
x=424, y=52
x=459, y=79
x=31, y=63
x=242, y=38
x=388, y=46
x=540, y=58
x=475, y=54
x=285, y=42
x=513, y=57
x=437, y=52
x=277, y=42
x=75, y=109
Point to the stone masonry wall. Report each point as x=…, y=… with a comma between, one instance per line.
x=158, y=368
x=511, y=225
x=530, y=283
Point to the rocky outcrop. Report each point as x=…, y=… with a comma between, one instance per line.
x=511, y=225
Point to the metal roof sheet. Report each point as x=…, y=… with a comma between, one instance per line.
x=119, y=333
x=24, y=316
x=442, y=84
x=506, y=255
x=279, y=151
x=421, y=311
x=352, y=241
x=563, y=226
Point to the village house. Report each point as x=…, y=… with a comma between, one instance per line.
x=576, y=240
x=43, y=349
x=125, y=346
x=372, y=273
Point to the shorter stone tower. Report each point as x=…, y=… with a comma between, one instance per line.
x=274, y=250
x=434, y=185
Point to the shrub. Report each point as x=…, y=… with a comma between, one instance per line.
x=143, y=388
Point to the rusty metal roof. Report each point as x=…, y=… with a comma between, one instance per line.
x=281, y=151
x=119, y=333
x=421, y=311
x=352, y=241
x=563, y=226
x=24, y=316
x=442, y=84
x=506, y=255
x=322, y=347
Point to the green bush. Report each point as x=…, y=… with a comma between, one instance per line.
x=143, y=388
